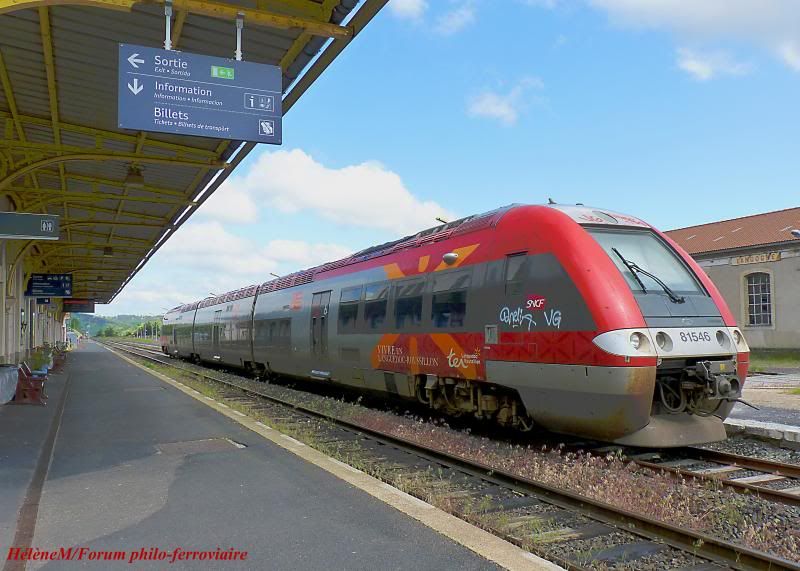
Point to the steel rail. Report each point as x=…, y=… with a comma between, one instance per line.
x=748, y=462
x=739, y=487
x=699, y=544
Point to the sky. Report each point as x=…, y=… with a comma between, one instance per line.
x=679, y=112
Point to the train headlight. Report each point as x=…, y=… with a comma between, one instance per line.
x=723, y=339
x=664, y=341
x=739, y=341
x=626, y=343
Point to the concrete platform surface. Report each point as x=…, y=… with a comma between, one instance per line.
x=139, y=466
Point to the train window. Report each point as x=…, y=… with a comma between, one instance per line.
x=408, y=307
x=376, y=291
x=350, y=294
x=449, y=309
x=348, y=315
x=515, y=273
x=376, y=296
x=284, y=333
x=452, y=280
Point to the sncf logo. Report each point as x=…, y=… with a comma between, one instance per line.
x=535, y=302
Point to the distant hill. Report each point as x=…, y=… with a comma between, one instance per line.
x=93, y=324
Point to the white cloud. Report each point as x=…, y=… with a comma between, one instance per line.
x=229, y=204
x=408, y=9
x=790, y=53
x=203, y=258
x=705, y=66
x=207, y=247
x=367, y=194
x=771, y=24
x=505, y=107
x=455, y=20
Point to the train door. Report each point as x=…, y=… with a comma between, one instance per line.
x=215, y=332
x=319, y=325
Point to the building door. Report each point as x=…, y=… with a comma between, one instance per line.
x=319, y=324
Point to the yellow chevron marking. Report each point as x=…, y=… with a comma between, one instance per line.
x=393, y=271
x=423, y=263
x=463, y=253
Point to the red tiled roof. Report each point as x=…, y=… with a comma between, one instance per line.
x=756, y=230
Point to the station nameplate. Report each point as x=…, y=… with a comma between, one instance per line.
x=49, y=285
x=756, y=258
x=192, y=94
x=23, y=226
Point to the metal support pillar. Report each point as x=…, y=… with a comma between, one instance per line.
x=4, y=357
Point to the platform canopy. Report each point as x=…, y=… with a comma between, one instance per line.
x=121, y=194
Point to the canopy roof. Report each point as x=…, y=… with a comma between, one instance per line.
x=61, y=151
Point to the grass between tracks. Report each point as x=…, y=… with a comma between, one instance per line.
x=768, y=359
x=704, y=506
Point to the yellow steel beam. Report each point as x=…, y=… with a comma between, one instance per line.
x=120, y=205
x=116, y=183
x=177, y=27
x=294, y=50
x=110, y=223
x=126, y=251
x=52, y=91
x=75, y=196
x=101, y=210
x=10, y=100
x=12, y=106
x=326, y=9
x=106, y=156
x=259, y=17
x=112, y=135
x=147, y=244
x=97, y=259
x=204, y=7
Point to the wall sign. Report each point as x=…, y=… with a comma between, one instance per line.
x=756, y=258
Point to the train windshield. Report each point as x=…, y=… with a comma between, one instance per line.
x=633, y=250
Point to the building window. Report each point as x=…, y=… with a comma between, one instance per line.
x=759, y=300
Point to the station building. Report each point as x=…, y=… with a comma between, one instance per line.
x=24, y=324
x=755, y=263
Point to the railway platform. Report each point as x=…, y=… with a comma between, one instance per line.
x=120, y=463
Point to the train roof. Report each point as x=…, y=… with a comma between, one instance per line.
x=580, y=213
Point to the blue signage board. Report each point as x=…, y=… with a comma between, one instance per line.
x=42, y=301
x=49, y=285
x=192, y=94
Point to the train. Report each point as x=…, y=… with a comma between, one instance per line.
x=567, y=318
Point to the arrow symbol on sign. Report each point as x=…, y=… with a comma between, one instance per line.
x=135, y=88
x=134, y=60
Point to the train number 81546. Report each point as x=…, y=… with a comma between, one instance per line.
x=695, y=336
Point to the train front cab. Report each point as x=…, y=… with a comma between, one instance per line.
x=656, y=367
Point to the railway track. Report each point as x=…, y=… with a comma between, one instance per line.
x=574, y=531
x=743, y=474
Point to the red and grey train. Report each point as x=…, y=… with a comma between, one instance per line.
x=579, y=320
